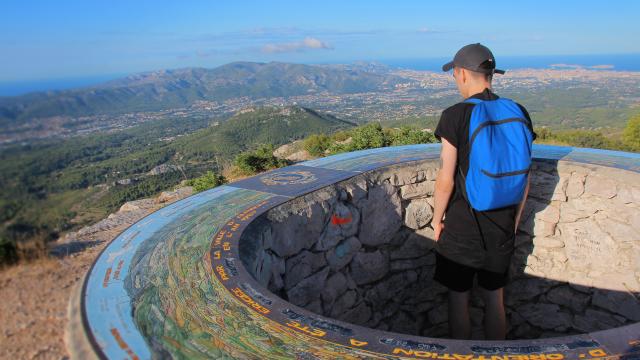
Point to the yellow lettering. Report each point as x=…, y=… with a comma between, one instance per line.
x=597, y=352
x=462, y=357
x=402, y=351
x=355, y=342
x=222, y=273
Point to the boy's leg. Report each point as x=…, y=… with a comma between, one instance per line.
x=458, y=279
x=459, y=323
x=495, y=323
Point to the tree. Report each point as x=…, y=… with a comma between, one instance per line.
x=631, y=134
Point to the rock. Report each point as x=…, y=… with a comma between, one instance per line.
x=413, y=247
x=527, y=289
x=164, y=168
x=420, y=176
x=402, y=176
x=263, y=268
x=408, y=264
x=559, y=193
x=170, y=196
x=575, y=186
x=335, y=286
x=389, y=308
x=587, y=246
x=343, y=223
x=628, y=194
x=296, y=227
x=438, y=315
x=545, y=316
x=342, y=254
x=595, y=320
x=619, y=231
x=563, y=295
x=358, y=315
x=287, y=149
x=418, y=214
x=426, y=234
x=419, y=190
x=369, y=267
x=437, y=331
x=315, y=307
x=549, y=213
x=390, y=287
x=601, y=187
x=548, y=242
x=404, y=323
x=301, y=155
x=622, y=303
x=308, y=289
x=543, y=228
x=431, y=173
x=301, y=266
x=381, y=215
x=622, y=281
x=569, y=212
x=539, y=218
x=137, y=205
x=400, y=237
x=357, y=190
x=543, y=185
x=342, y=304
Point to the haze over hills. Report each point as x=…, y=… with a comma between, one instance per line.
x=359, y=92
x=168, y=89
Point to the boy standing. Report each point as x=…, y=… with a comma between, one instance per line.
x=481, y=189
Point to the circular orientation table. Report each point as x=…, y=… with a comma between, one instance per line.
x=173, y=285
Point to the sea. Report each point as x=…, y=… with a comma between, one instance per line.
x=620, y=62
x=615, y=62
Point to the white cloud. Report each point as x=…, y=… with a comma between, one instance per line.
x=307, y=43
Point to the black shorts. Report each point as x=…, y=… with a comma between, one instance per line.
x=459, y=277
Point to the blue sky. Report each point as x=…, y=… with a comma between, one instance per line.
x=78, y=38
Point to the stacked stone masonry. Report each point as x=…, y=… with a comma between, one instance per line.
x=362, y=251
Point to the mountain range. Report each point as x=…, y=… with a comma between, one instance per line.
x=166, y=89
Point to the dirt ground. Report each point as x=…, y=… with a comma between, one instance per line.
x=34, y=295
x=33, y=309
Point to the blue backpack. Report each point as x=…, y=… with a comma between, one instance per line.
x=500, y=139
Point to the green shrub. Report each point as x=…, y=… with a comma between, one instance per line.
x=261, y=159
x=207, y=181
x=409, y=136
x=631, y=134
x=367, y=137
x=316, y=144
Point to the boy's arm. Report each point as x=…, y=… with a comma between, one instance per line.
x=444, y=185
x=521, y=205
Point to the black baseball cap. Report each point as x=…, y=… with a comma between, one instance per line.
x=474, y=57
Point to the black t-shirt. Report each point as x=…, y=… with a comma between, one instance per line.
x=486, y=239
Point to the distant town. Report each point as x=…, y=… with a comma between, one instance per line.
x=419, y=94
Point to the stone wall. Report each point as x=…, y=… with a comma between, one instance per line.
x=361, y=251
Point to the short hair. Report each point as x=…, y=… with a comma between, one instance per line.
x=488, y=76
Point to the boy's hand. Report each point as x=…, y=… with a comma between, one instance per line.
x=437, y=229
